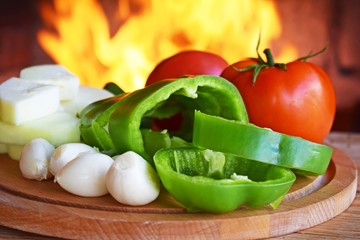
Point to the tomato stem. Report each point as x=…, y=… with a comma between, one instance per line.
x=270, y=61
x=310, y=55
x=269, y=57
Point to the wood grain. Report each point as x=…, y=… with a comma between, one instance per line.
x=44, y=208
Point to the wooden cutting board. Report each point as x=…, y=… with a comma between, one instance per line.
x=44, y=208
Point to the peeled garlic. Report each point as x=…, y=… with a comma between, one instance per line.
x=65, y=153
x=34, y=159
x=85, y=174
x=132, y=180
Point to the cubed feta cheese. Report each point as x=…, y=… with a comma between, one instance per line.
x=54, y=74
x=22, y=101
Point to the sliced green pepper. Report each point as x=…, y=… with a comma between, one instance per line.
x=260, y=144
x=94, y=123
x=210, y=94
x=156, y=140
x=113, y=88
x=204, y=180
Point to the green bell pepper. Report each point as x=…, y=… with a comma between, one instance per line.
x=210, y=94
x=94, y=120
x=205, y=180
x=155, y=140
x=113, y=88
x=260, y=144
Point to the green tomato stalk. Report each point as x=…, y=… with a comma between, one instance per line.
x=270, y=62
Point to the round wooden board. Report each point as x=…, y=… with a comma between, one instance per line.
x=44, y=208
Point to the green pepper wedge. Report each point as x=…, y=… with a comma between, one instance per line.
x=94, y=120
x=205, y=180
x=210, y=94
x=260, y=144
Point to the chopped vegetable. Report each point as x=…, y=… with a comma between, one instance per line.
x=210, y=94
x=94, y=123
x=66, y=130
x=260, y=144
x=34, y=107
x=131, y=180
x=85, y=175
x=3, y=148
x=229, y=162
x=204, y=180
x=14, y=151
x=66, y=153
x=35, y=158
x=113, y=88
x=114, y=125
x=154, y=140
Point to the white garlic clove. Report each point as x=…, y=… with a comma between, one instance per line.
x=34, y=159
x=131, y=180
x=85, y=174
x=65, y=153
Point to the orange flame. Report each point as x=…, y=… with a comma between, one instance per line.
x=77, y=35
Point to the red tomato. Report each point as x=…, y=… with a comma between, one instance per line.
x=299, y=101
x=190, y=62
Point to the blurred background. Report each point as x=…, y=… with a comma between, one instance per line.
x=123, y=40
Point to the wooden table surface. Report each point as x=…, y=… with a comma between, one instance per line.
x=344, y=226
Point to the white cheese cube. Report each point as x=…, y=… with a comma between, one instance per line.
x=23, y=101
x=54, y=74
